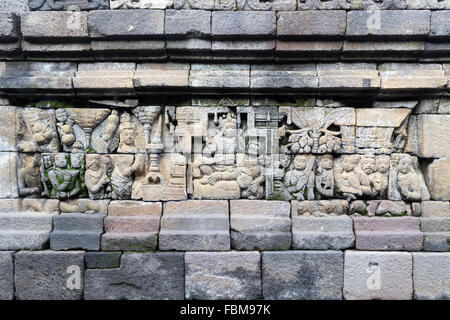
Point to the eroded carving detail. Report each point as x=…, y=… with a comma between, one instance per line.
x=29, y=176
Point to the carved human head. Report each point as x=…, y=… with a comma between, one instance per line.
x=349, y=162
x=76, y=159
x=300, y=162
x=60, y=160
x=47, y=160
x=327, y=162
x=127, y=130
x=61, y=115
x=383, y=164
x=405, y=164
x=93, y=162
x=368, y=164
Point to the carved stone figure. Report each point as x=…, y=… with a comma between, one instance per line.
x=29, y=176
x=65, y=129
x=347, y=177
x=98, y=170
x=141, y=4
x=380, y=178
x=321, y=208
x=299, y=180
x=64, y=175
x=59, y=5
x=318, y=130
x=87, y=206
x=36, y=130
x=324, y=176
x=127, y=134
x=122, y=176
x=280, y=164
x=406, y=181
x=251, y=179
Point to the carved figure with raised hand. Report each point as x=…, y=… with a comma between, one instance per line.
x=406, y=180
x=299, y=180
x=29, y=176
x=65, y=128
x=324, y=179
x=98, y=168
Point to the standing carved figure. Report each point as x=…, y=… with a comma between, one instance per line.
x=324, y=176
x=29, y=177
x=122, y=177
x=96, y=177
x=300, y=179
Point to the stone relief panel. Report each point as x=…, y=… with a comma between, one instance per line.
x=141, y=4
x=156, y=153
x=48, y=5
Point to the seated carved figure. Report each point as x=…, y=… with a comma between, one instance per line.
x=250, y=181
x=324, y=180
x=64, y=182
x=347, y=178
x=29, y=177
x=300, y=179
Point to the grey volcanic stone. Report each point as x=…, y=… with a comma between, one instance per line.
x=307, y=24
x=440, y=24
x=14, y=6
x=377, y=275
x=404, y=24
x=322, y=233
x=431, y=275
x=260, y=225
x=8, y=175
x=8, y=26
x=299, y=275
x=188, y=23
x=6, y=275
x=77, y=231
x=223, y=275
x=391, y=233
x=102, y=260
x=197, y=225
x=246, y=24
x=126, y=23
x=149, y=276
x=65, y=5
x=436, y=232
x=44, y=275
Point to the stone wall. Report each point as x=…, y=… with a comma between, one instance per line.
x=280, y=149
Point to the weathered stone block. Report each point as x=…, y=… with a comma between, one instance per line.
x=129, y=24
x=252, y=50
x=223, y=275
x=126, y=50
x=260, y=225
x=435, y=208
x=320, y=208
x=284, y=77
x=292, y=50
x=6, y=275
x=8, y=175
x=142, y=276
x=431, y=276
x=378, y=275
x=407, y=24
x=440, y=25
x=8, y=27
x=7, y=129
x=50, y=26
x=49, y=275
x=311, y=24
x=102, y=260
x=379, y=233
x=246, y=24
x=324, y=233
x=301, y=275
x=397, y=76
x=219, y=77
x=77, y=231
x=161, y=76
x=188, y=23
x=132, y=225
x=437, y=177
x=382, y=51
x=436, y=232
x=423, y=132
x=198, y=225
x=384, y=208
x=15, y=6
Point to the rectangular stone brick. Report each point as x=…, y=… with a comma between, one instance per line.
x=8, y=175
x=126, y=24
x=195, y=225
x=188, y=23
x=322, y=233
x=126, y=50
x=55, y=26
x=386, y=50
x=440, y=25
x=431, y=276
x=192, y=49
x=311, y=24
x=393, y=233
x=260, y=225
x=437, y=178
x=219, y=77
x=435, y=208
x=161, y=75
x=245, y=24
x=42, y=275
x=390, y=24
x=77, y=231
x=303, y=275
x=9, y=31
x=397, y=76
x=8, y=136
x=378, y=275
x=223, y=275
x=436, y=232
x=423, y=132
x=132, y=225
x=284, y=77
x=145, y=276
x=6, y=275
x=15, y=6
x=252, y=50
x=347, y=76
x=292, y=50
